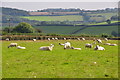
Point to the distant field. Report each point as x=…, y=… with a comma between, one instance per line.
x=58, y=29
x=55, y=18
x=59, y=63
x=107, y=15
x=99, y=30
x=69, y=29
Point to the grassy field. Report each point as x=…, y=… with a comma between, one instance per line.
x=107, y=15
x=99, y=30
x=69, y=29
x=55, y=18
x=59, y=63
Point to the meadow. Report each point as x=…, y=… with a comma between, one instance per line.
x=69, y=29
x=55, y=18
x=59, y=63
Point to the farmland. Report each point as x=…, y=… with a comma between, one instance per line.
x=55, y=18
x=59, y=63
x=69, y=29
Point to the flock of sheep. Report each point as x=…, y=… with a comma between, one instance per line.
x=67, y=45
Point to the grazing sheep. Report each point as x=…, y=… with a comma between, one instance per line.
x=12, y=45
x=99, y=40
x=94, y=39
x=64, y=38
x=7, y=39
x=34, y=39
x=113, y=45
x=47, y=48
x=99, y=48
x=83, y=39
x=56, y=38
x=19, y=47
x=48, y=39
x=107, y=43
x=76, y=48
x=61, y=44
x=88, y=45
x=67, y=45
x=78, y=38
x=53, y=38
x=106, y=39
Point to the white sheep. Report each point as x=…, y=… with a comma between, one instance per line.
x=47, y=48
x=67, y=45
x=106, y=39
x=113, y=45
x=7, y=39
x=78, y=38
x=76, y=48
x=107, y=43
x=34, y=39
x=64, y=38
x=88, y=45
x=99, y=48
x=61, y=44
x=83, y=39
x=99, y=40
x=19, y=47
x=94, y=39
x=56, y=38
x=12, y=45
x=53, y=38
x=48, y=39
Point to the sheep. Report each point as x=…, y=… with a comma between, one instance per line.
x=56, y=38
x=106, y=39
x=47, y=48
x=48, y=39
x=67, y=45
x=53, y=38
x=64, y=38
x=12, y=45
x=107, y=43
x=7, y=39
x=94, y=39
x=34, y=39
x=78, y=38
x=61, y=44
x=19, y=47
x=99, y=48
x=83, y=39
x=99, y=40
x=113, y=45
x=88, y=45
x=76, y=48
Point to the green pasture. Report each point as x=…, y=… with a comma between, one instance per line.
x=69, y=29
x=107, y=15
x=55, y=18
x=99, y=30
x=59, y=63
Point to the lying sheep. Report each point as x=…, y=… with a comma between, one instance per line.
x=88, y=45
x=106, y=39
x=19, y=47
x=47, y=48
x=99, y=40
x=34, y=39
x=99, y=48
x=113, y=45
x=12, y=45
x=48, y=39
x=83, y=39
x=107, y=43
x=76, y=48
x=7, y=39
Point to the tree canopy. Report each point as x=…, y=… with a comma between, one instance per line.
x=24, y=28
